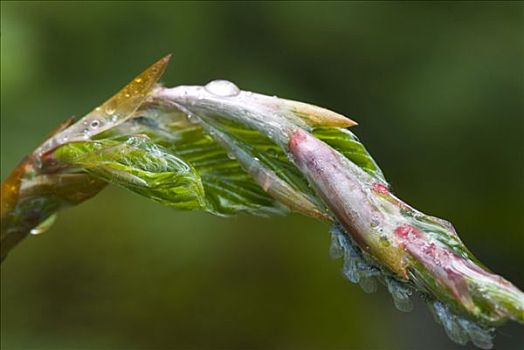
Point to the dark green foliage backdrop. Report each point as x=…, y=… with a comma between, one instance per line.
x=438, y=91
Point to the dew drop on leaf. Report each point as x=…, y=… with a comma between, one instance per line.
x=222, y=88
x=368, y=284
x=95, y=124
x=400, y=294
x=460, y=329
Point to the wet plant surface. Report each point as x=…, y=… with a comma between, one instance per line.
x=225, y=151
x=424, y=91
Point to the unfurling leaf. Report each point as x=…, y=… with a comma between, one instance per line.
x=227, y=151
x=139, y=165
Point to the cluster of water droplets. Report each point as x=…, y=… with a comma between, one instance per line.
x=100, y=121
x=355, y=268
x=358, y=269
x=82, y=130
x=460, y=329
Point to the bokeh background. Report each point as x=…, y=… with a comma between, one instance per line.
x=438, y=91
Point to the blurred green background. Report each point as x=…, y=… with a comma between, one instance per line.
x=438, y=91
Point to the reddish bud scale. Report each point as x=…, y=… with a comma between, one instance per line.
x=344, y=188
x=371, y=215
x=380, y=188
x=321, y=164
x=450, y=270
x=444, y=264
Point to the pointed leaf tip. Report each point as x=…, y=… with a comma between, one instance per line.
x=165, y=60
x=112, y=112
x=317, y=116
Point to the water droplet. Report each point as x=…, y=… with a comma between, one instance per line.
x=222, y=88
x=350, y=270
x=368, y=284
x=231, y=156
x=94, y=124
x=459, y=329
x=43, y=226
x=481, y=337
x=336, y=249
x=453, y=329
x=86, y=134
x=356, y=269
x=110, y=111
x=193, y=119
x=400, y=294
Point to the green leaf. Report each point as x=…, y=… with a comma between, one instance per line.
x=141, y=166
x=349, y=145
x=228, y=185
x=229, y=189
